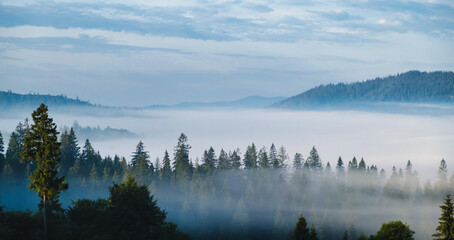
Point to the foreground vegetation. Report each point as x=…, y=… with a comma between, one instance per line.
x=258, y=194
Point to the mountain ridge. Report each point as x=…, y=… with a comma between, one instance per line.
x=409, y=87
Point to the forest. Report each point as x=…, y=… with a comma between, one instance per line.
x=261, y=193
x=412, y=86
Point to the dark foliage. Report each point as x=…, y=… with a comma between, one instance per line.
x=412, y=86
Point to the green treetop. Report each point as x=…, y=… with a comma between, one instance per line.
x=445, y=229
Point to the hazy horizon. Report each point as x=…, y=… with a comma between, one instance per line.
x=383, y=139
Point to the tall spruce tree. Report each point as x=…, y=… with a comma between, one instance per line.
x=298, y=161
x=250, y=157
x=273, y=156
x=301, y=231
x=282, y=157
x=42, y=147
x=223, y=163
x=166, y=171
x=87, y=158
x=209, y=161
x=13, y=166
x=181, y=160
x=263, y=158
x=235, y=160
x=340, y=168
x=69, y=151
x=314, y=161
x=445, y=229
x=140, y=163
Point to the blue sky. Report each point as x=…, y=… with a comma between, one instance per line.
x=139, y=52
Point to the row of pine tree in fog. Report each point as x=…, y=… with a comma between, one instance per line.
x=91, y=167
x=258, y=193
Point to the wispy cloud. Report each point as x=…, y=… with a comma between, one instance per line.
x=223, y=40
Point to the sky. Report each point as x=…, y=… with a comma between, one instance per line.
x=138, y=53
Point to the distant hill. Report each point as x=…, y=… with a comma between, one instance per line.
x=18, y=104
x=247, y=102
x=411, y=87
x=98, y=133
x=10, y=100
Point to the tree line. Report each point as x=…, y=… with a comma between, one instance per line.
x=258, y=194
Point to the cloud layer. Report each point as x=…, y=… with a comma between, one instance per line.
x=170, y=51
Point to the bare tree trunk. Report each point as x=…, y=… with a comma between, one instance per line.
x=45, y=220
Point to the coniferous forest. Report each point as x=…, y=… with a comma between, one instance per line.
x=259, y=192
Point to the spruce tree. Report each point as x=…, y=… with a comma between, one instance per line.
x=282, y=157
x=301, y=231
x=314, y=160
x=140, y=163
x=235, y=159
x=263, y=158
x=166, y=172
x=445, y=229
x=69, y=151
x=12, y=157
x=42, y=147
x=181, y=157
x=87, y=158
x=250, y=157
x=340, y=168
x=362, y=166
x=223, y=163
x=273, y=156
x=298, y=161
x=209, y=161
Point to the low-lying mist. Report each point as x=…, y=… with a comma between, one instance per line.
x=266, y=203
x=383, y=139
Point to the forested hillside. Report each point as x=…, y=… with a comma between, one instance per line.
x=409, y=87
x=10, y=100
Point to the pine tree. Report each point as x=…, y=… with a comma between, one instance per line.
x=250, y=157
x=12, y=158
x=235, y=159
x=166, y=172
x=87, y=158
x=223, y=161
x=340, y=168
x=42, y=147
x=209, y=161
x=314, y=160
x=140, y=163
x=69, y=151
x=353, y=166
x=282, y=157
x=445, y=229
x=263, y=158
x=273, y=156
x=301, y=231
x=362, y=166
x=181, y=157
x=298, y=161
x=442, y=183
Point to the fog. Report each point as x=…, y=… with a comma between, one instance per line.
x=381, y=139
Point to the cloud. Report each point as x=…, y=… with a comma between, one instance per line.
x=241, y=47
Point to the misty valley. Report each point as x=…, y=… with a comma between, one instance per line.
x=230, y=181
